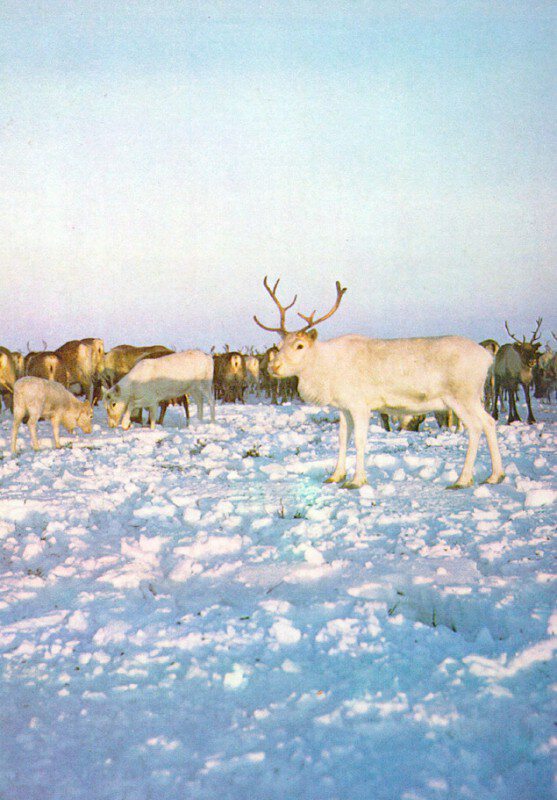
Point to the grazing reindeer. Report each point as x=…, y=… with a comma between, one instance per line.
x=38, y=398
x=358, y=375
x=514, y=365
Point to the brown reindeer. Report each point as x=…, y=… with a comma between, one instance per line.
x=47, y=365
x=514, y=366
x=83, y=360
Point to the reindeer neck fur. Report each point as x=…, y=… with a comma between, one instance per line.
x=323, y=379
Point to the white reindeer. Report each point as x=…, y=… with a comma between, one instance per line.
x=358, y=375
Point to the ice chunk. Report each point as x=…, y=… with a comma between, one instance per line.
x=540, y=497
x=284, y=632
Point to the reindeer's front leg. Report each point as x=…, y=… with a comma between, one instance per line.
x=126, y=419
x=152, y=416
x=361, y=422
x=55, y=422
x=346, y=426
x=531, y=418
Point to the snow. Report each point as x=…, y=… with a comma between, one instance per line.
x=192, y=613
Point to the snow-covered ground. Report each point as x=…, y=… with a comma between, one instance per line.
x=190, y=614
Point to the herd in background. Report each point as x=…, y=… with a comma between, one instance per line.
x=85, y=369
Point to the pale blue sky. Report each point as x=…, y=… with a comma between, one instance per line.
x=157, y=160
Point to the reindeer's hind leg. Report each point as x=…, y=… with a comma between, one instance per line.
x=32, y=425
x=496, y=392
x=210, y=400
x=489, y=428
x=162, y=411
x=473, y=422
x=18, y=418
x=186, y=404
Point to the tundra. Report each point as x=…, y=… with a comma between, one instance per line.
x=37, y=398
x=358, y=375
x=154, y=380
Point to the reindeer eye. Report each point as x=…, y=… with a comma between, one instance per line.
x=299, y=346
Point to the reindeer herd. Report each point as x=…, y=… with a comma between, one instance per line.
x=457, y=379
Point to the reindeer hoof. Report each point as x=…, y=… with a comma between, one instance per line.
x=493, y=480
x=333, y=479
x=353, y=484
x=460, y=485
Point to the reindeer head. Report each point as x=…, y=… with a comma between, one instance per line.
x=528, y=351
x=114, y=404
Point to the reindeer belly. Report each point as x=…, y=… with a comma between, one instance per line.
x=406, y=399
x=158, y=390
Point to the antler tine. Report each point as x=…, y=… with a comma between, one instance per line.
x=511, y=334
x=282, y=309
x=309, y=319
x=311, y=323
x=536, y=332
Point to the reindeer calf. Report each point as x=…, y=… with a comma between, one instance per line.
x=37, y=398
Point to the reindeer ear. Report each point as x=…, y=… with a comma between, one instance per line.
x=312, y=334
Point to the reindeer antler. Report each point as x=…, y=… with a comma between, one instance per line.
x=513, y=336
x=311, y=323
x=536, y=332
x=282, y=309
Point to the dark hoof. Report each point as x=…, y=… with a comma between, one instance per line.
x=491, y=481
